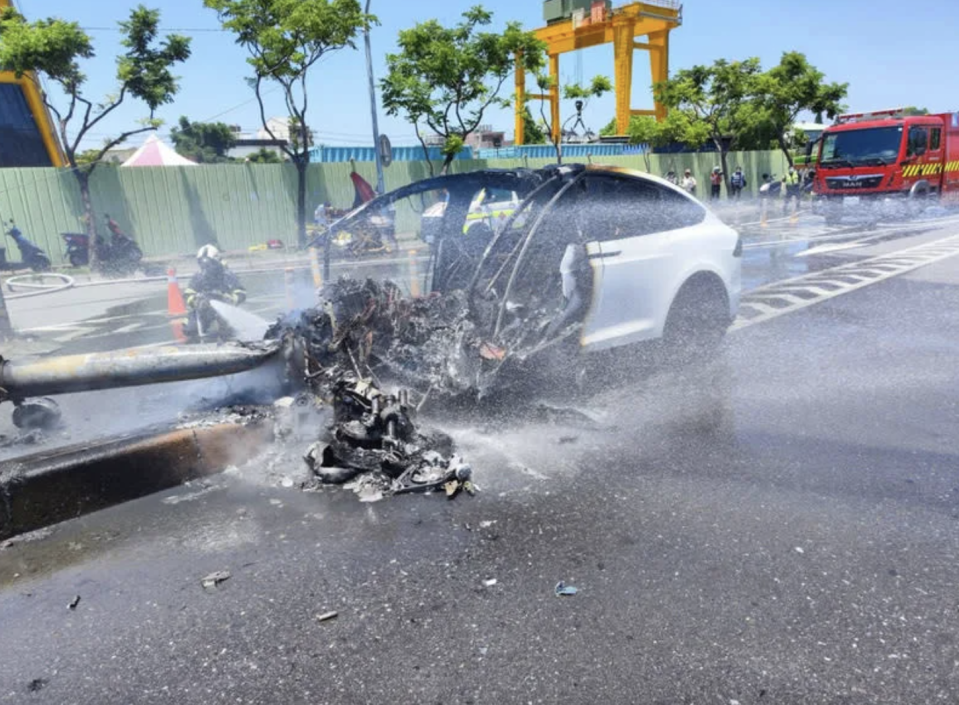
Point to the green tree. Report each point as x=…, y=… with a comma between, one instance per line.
x=646, y=132
x=447, y=77
x=790, y=88
x=296, y=136
x=203, y=142
x=533, y=132
x=264, y=156
x=285, y=40
x=913, y=110
x=53, y=48
x=711, y=96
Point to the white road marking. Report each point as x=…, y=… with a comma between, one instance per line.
x=829, y=283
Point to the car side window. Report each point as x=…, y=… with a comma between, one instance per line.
x=918, y=140
x=618, y=208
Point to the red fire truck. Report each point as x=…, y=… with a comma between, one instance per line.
x=886, y=161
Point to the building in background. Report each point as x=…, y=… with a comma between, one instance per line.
x=250, y=143
x=485, y=137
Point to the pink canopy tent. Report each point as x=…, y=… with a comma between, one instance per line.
x=155, y=152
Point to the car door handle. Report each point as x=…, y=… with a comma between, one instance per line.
x=602, y=255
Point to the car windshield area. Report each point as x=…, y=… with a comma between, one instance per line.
x=879, y=145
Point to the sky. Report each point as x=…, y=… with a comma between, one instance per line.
x=854, y=41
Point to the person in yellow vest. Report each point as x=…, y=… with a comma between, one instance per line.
x=791, y=189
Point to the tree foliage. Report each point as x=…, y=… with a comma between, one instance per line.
x=264, y=156
x=533, y=132
x=53, y=49
x=203, y=142
x=712, y=96
x=445, y=78
x=285, y=39
x=794, y=86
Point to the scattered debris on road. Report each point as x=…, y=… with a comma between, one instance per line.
x=72, y=605
x=37, y=684
x=327, y=616
x=25, y=438
x=564, y=590
x=214, y=579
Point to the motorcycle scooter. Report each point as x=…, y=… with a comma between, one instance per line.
x=30, y=255
x=121, y=255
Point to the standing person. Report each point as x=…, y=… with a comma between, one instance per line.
x=715, y=183
x=689, y=182
x=671, y=177
x=791, y=186
x=737, y=182
x=321, y=216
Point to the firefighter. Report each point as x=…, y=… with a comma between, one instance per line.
x=791, y=188
x=213, y=281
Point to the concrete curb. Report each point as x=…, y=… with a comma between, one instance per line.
x=54, y=486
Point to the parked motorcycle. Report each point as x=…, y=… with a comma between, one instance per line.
x=30, y=255
x=121, y=255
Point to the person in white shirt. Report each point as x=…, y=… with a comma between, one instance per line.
x=689, y=183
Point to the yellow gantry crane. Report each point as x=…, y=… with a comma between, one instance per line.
x=579, y=24
x=28, y=134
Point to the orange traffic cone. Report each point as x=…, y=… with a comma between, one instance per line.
x=174, y=298
x=175, y=306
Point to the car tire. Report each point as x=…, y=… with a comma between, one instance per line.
x=697, y=320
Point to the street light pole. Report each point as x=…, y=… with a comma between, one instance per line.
x=380, y=184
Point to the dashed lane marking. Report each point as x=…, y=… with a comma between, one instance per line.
x=789, y=295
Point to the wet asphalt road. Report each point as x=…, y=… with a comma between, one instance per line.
x=782, y=527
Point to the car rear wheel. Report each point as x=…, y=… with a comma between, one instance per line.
x=697, y=320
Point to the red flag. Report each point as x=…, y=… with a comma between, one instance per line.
x=364, y=192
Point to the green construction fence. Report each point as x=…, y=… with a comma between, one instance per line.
x=174, y=210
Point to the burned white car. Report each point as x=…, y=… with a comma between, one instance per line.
x=592, y=258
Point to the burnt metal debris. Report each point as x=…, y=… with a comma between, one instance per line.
x=363, y=337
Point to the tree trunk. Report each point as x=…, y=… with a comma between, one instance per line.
x=649, y=166
x=559, y=152
x=83, y=179
x=782, y=146
x=301, y=165
x=446, y=164
x=723, y=163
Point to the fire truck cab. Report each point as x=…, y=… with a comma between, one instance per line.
x=888, y=162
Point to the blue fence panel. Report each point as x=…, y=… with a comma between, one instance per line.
x=325, y=155
x=547, y=151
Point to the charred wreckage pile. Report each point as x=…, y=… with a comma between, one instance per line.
x=365, y=360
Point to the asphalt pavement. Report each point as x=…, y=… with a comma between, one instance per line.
x=777, y=527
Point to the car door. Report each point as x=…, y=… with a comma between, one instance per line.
x=641, y=229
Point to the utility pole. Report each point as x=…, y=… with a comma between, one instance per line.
x=380, y=184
